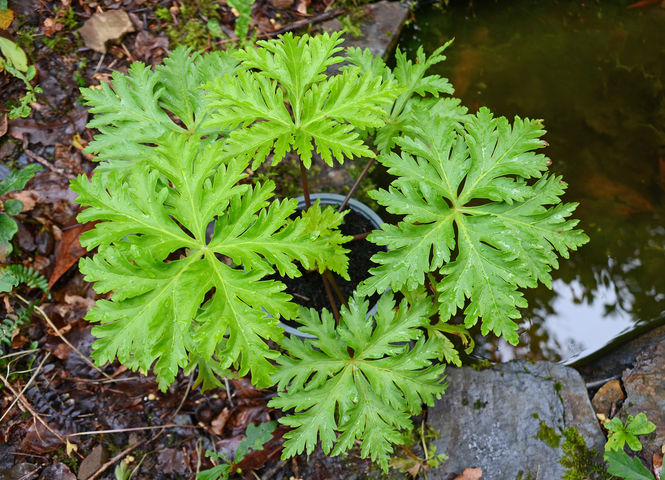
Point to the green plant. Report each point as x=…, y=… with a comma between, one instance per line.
x=481, y=218
x=12, y=275
x=14, y=61
x=255, y=437
x=620, y=434
x=16, y=180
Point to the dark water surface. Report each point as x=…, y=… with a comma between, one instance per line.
x=595, y=72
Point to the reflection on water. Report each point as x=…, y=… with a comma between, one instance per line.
x=595, y=73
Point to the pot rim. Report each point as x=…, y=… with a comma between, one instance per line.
x=358, y=207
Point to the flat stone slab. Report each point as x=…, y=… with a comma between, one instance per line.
x=381, y=25
x=491, y=418
x=645, y=392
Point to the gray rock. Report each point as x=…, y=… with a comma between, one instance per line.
x=491, y=418
x=381, y=25
x=645, y=392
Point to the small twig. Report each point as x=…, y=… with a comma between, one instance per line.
x=62, y=337
x=127, y=450
x=271, y=473
x=19, y=354
x=132, y=429
x=303, y=23
x=27, y=407
x=32, y=378
x=43, y=161
x=103, y=468
x=228, y=392
x=355, y=185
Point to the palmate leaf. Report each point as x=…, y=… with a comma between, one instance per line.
x=360, y=381
x=473, y=213
x=285, y=101
x=133, y=114
x=415, y=84
x=175, y=303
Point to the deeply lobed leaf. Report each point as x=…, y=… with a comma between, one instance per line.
x=359, y=381
x=174, y=301
x=285, y=101
x=472, y=216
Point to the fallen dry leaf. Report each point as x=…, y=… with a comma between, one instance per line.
x=105, y=26
x=39, y=440
x=6, y=19
x=146, y=44
x=68, y=251
x=217, y=425
x=470, y=474
x=3, y=124
x=657, y=461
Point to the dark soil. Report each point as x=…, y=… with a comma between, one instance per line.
x=308, y=290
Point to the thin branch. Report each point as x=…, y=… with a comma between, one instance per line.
x=62, y=337
x=32, y=378
x=43, y=161
x=26, y=407
x=355, y=185
x=303, y=23
x=132, y=429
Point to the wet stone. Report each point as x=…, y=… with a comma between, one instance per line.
x=608, y=397
x=491, y=419
x=93, y=462
x=381, y=25
x=645, y=393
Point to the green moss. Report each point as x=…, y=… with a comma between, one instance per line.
x=520, y=476
x=465, y=401
x=578, y=460
x=535, y=415
x=481, y=365
x=558, y=387
x=479, y=404
x=548, y=435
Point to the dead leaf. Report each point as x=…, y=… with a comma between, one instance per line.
x=6, y=19
x=217, y=425
x=245, y=389
x=3, y=123
x=470, y=474
x=657, y=461
x=146, y=45
x=51, y=27
x=39, y=440
x=47, y=133
x=28, y=197
x=258, y=458
x=105, y=26
x=244, y=415
x=57, y=471
x=68, y=251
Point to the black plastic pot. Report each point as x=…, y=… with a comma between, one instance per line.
x=308, y=289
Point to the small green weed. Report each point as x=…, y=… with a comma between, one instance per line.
x=14, y=61
x=256, y=437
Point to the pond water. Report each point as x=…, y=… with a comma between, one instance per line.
x=596, y=74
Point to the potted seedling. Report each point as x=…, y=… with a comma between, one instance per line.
x=481, y=218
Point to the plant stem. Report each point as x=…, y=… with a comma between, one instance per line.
x=354, y=187
x=335, y=287
x=330, y=297
x=305, y=185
